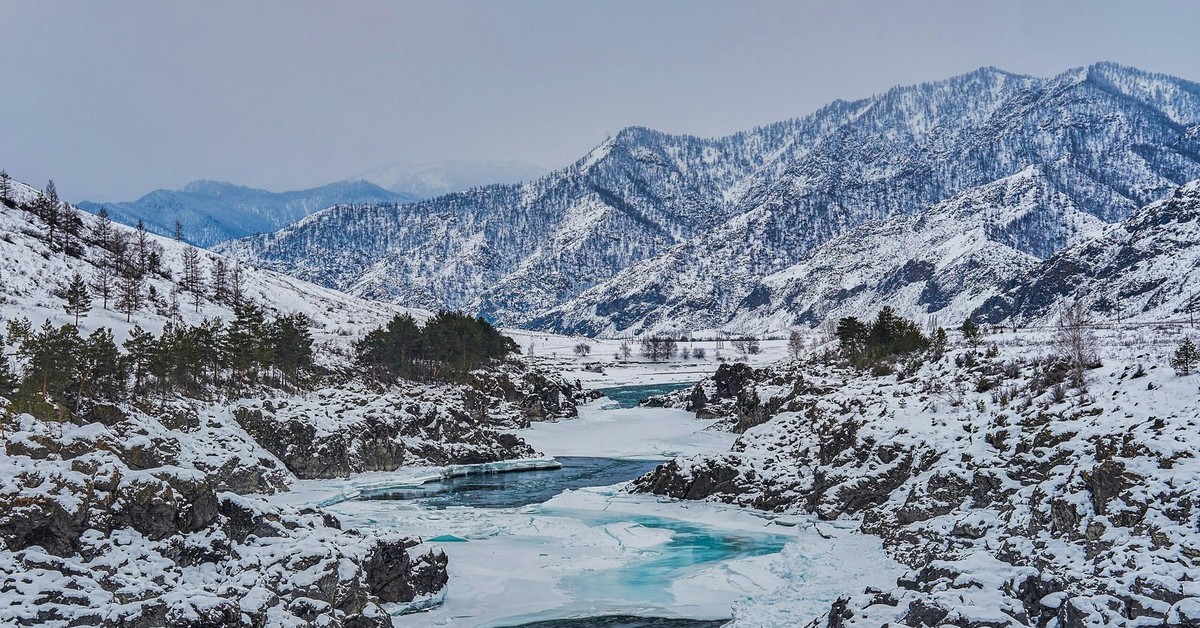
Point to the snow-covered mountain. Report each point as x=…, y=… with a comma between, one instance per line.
x=214, y=211
x=946, y=259
x=655, y=231
x=435, y=178
x=1145, y=267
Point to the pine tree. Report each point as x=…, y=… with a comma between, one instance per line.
x=48, y=209
x=174, y=313
x=236, y=284
x=140, y=347
x=102, y=230
x=5, y=188
x=219, y=280
x=142, y=249
x=103, y=284
x=77, y=300
x=101, y=373
x=178, y=231
x=51, y=357
x=1185, y=358
x=971, y=332
x=71, y=225
x=243, y=344
x=291, y=345
x=8, y=380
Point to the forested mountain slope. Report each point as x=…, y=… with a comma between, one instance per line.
x=654, y=231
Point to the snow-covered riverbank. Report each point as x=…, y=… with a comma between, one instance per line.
x=600, y=551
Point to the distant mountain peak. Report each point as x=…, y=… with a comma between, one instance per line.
x=436, y=178
x=214, y=211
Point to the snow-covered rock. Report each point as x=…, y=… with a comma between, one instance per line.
x=1014, y=502
x=125, y=522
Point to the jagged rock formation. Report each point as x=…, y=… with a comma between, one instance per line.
x=651, y=231
x=1012, y=505
x=351, y=429
x=120, y=523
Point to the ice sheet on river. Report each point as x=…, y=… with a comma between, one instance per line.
x=597, y=551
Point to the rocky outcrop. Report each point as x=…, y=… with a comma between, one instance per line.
x=535, y=394
x=94, y=532
x=336, y=432
x=731, y=396
x=1012, y=505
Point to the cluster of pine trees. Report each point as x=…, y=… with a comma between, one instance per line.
x=447, y=348
x=890, y=334
x=64, y=369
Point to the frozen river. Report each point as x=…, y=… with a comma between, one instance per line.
x=567, y=547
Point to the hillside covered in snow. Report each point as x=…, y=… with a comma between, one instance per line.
x=651, y=231
x=1014, y=496
x=151, y=393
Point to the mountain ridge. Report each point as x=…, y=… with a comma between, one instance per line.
x=214, y=211
x=741, y=207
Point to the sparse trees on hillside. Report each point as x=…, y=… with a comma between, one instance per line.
x=1185, y=358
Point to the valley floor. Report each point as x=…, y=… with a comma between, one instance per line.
x=600, y=551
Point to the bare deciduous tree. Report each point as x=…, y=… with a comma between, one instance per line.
x=1075, y=342
x=795, y=344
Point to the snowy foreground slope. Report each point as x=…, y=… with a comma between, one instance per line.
x=1014, y=499
x=651, y=231
x=143, y=512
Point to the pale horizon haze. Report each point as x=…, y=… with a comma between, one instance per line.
x=114, y=99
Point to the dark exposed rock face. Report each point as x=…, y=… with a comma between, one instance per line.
x=538, y=395
x=730, y=395
x=346, y=432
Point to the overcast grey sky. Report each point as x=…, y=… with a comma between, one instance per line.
x=112, y=99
